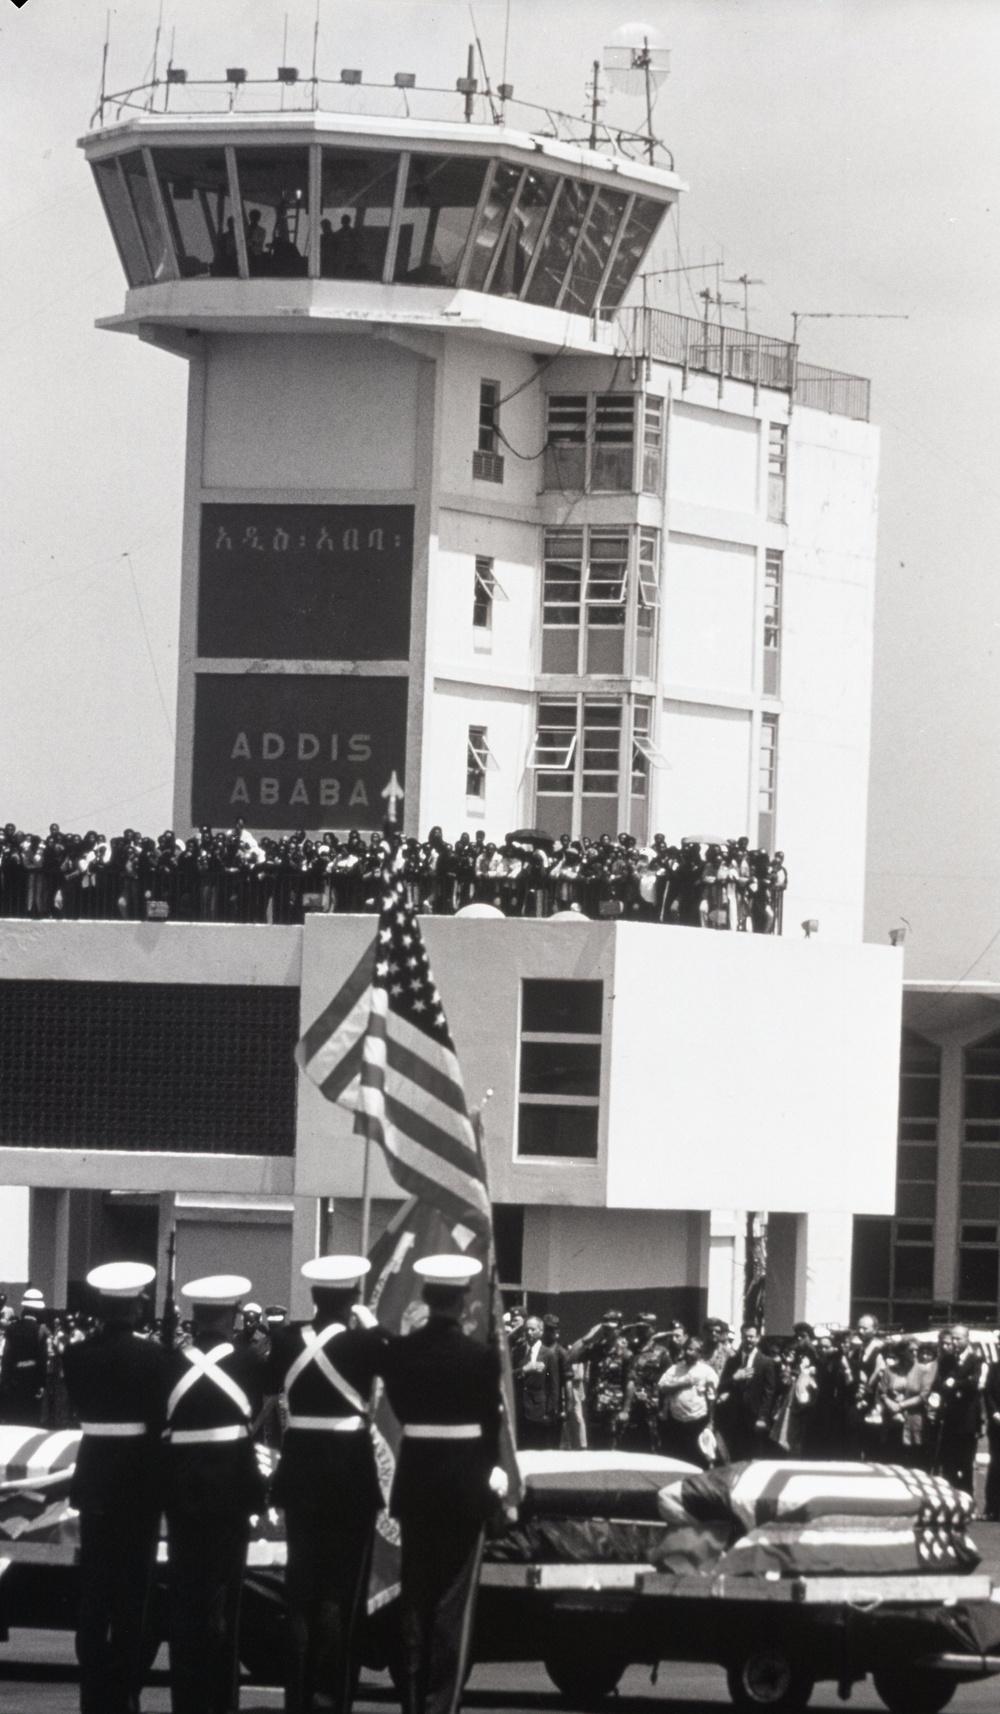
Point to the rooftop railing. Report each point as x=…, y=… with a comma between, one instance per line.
x=735, y=355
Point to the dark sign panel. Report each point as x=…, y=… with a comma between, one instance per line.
x=296, y=750
x=314, y=583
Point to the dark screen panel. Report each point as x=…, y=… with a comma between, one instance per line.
x=296, y=750
x=309, y=583
x=564, y=1008
x=179, y=1067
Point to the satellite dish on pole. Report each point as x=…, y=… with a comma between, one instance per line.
x=637, y=63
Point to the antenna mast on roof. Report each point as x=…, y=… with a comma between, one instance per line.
x=156, y=60
x=636, y=65
x=595, y=103
x=494, y=115
x=104, y=65
x=315, y=76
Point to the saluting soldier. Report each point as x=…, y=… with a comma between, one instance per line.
x=445, y=1390
x=115, y=1383
x=327, y=1480
x=607, y=1354
x=212, y=1485
x=639, y=1419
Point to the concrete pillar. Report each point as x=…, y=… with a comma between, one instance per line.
x=305, y=1245
x=786, y=1271
x=15, y=1225
x=48, y=1244
x=60, y=1269
x=727, y=1260
x=829, y=1242
x=949, y=1173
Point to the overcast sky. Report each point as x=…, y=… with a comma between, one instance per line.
x=844, y=151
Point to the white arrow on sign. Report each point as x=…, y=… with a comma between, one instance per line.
x=394, y=792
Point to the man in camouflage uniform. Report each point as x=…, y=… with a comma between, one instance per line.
x=608, y=1355
x=639, y=1418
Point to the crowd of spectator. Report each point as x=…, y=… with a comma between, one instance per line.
x=825, y=1393
x=228, y=875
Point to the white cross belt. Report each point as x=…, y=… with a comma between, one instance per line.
x=114, y=1430
x=206, y=1436
x=328, y=1424
x=443, y=1431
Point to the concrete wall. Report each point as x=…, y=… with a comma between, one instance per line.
x=581, y=1261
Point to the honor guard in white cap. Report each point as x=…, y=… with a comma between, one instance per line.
x=212, y=1485
x=114, y=1381
x=24, y=1363
x=445, y=1389
x=327, y=1480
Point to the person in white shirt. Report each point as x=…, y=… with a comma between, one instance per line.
x=687, y=1396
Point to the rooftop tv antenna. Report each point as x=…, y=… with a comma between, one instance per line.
x=637, y=64
x=596, y=103
x=838, y=315
x=746, y=282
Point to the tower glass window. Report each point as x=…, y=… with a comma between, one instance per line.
x=195, y=186
x=566, y=441
x=274, y=191
x=600, y=596
x=144, y=203
x=559, y=245
x=442, y=195
x=613, y=455
x=893, y=1268
x=593, y=250
x=640, y=227
x=513, y=267
x=773, y=574
x=591, y=443
x=606, y=596
x=122, y=219
x=647, y=603
x=357, y=191
x=492, y=222
x=652, y=445
x=562, y=589
x=559, y=1081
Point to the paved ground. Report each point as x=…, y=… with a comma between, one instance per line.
x=37, y=1676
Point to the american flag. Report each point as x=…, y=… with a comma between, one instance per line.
x=383, y=1048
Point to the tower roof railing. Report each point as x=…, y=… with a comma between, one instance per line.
x=735, y=354
x=177, y=94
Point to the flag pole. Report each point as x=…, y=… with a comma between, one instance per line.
x=366, y=1197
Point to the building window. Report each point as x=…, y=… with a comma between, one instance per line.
x=566, y=441
x=487, y=462
x=773, y=568
x=600, y=600
x=483, y=590
x=893, y=1265
x=979, y=1208
x=477, y=759
x=652, y=446
x=590, y=443
x=777, y=468
x=767, y=781
x=559, y=1083
x=590, y=761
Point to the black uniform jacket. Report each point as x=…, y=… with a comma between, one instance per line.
x=437, y=1375
x=751, y=1400
x=24, y=1362
x=330, y=1467
x=116, y=1377
x=222, y=1475
x=959, y=1390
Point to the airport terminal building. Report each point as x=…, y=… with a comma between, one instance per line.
x=465, y=518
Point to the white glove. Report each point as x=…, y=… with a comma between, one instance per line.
x=498, y=1482
x=361, y=1316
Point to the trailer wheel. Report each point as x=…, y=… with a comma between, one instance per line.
x=911, y=1692
x=766, y=1678
x=585, y=1679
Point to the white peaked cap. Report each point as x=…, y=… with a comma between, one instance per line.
x=336, y=1270
x=121, y=1279
x=219, y=1289
x=33, y=1296
x=252, y=1309
x=447, y=1270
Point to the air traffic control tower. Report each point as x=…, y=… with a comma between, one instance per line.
x=369, y=308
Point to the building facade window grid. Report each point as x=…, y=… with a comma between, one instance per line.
x=476, y=763
x=777, y=471
x=767, y=781
x=610, y=443
x=559, y=1069
x=487, y=460
x=591, y=762
x=978, y=1284
x=484, y=589
x=600, y=601
x=894, y=1256
x=773, y=578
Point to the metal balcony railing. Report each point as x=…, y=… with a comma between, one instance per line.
x=734, y=355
